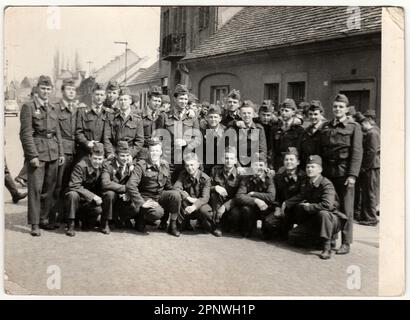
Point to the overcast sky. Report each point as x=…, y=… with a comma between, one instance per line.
x=33, y=34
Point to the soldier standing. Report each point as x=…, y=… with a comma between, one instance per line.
x=91, y=123
x=112, y=90
x=43, y=151
x=150, y=190
x=125, y=126
x=342, y=152
x=231, y=112
x=83, y=199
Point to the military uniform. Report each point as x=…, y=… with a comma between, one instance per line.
x=114, y=178
x=90, y=127
x=197, y=187
x=152, y=181
x=84, y=185
x=67, y=116
x=151, y=121
x=310, y=142
x=246, y=212
x=41, y=138
x=370, y=175
x=214, y=142
x=229, y=117
x=129, y=129
x=285, y=135
x=342, y=151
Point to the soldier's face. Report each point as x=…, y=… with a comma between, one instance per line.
x=181, y=101
x=166, y=107
x=213, y=120
x=112, y=95
x=246, y=115
x=154, y=102
x=44, y=91
x=69, y=93
x=265, y=117
x=290, y=162
x=340, y=109
x=230, y=160
x=258, y=167
x=123, y=157
x=96, y=161
x=315, y=116
x=125, y=102
x=366, y=125
x=99, y=96
x=191, y=167
x=313, y=170
x=287, y=113
x=155, y=153
x=233, y=104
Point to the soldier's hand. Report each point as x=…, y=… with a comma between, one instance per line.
x=190, y=209
x=97, y=200
x=350, y=182
x=126, y=197
x=221, y=191
x=240, y=124
x=191, y=199
x=90, y=144
x=35, y=163
x=278, y=212
x=61, y=161
x=261, y=204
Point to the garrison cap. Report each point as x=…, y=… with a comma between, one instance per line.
x=192, y=98
x=342, y=98
x=314, y=159
x=214, y=109
x=97, y=149
x=230, y=150
x=234, y=94
x=166, y=99
x=122, y=147
x=266, y=106
x=155, y=91
x=292, y=150
x=359, y=117
x=180, y=89
x=370, y=114
x=98, y=86
x=248, y=104
x=289, y=103
x=44, y=81
x=68, y=83
x=112, y=85
x=303, y=105
x=154, y=141
x=125, y=91
x=315, y=105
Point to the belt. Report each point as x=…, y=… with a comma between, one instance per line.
x=49, y=135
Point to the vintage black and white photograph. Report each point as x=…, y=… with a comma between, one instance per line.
x=193, y=150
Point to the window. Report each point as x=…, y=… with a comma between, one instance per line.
x=296, y=91
x=358, y=98
x=218, y=93
x=271, y=92
x=203, y=18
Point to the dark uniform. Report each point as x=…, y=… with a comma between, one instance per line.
x=229, y=117
x=370, y=175
x=129, y=129
x=84, y=185
x=285, y=136
x=67, y=116
x=198, y=187
x=150, y=181
x=214, y=143
x=342, y=152
x=228, y=180
x=41, y=138
x=151, y=121
x=246, y=212
x=321, y=217
x=114, y=178
x=310, y=143
x=90, y=127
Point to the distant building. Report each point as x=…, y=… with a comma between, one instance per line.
x=182, y=30
x=302, y=53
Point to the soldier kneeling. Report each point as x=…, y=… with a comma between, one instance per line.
x=115, y=175
x=316, y=206
x=83, y=199
x=150, y=191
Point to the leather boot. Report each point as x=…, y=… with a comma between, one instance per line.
x=70, y=228
x=172, y=229
x=327, y=252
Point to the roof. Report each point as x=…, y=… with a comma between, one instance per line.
x=151, y=74
x=259, y=28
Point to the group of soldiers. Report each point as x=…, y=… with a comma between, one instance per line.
x=112, y=164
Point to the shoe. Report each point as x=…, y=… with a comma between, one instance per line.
x=163, y=225
x=18, y=196
x=35, y=230
x=70, y=229
x=217, y=232
x=105, y=228
x=46, y=226
x=173, y=230
x=326, y=254
x=344, y=249
x=21, y=182
x=369, y=223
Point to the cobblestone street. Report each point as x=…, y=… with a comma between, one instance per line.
x=127, y=263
